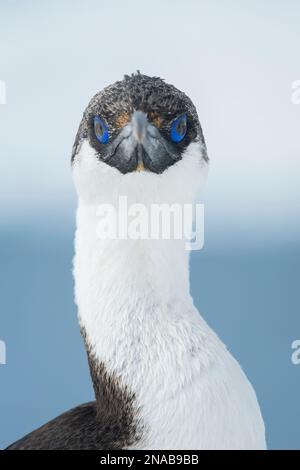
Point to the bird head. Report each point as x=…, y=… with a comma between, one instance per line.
x=137, y=132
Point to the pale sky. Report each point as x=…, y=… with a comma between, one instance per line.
x=236, y=60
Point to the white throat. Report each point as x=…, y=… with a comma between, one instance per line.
x=134, y=304
x=133, y=295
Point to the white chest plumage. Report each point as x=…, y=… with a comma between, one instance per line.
x=134, y=304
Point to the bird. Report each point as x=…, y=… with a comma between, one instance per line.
x=162, y=378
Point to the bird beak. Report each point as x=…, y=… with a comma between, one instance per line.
x=139, y=124
x=139, y=146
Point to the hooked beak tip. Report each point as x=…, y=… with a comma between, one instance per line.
x=140, y=166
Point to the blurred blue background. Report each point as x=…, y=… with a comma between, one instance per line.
x=237, y=61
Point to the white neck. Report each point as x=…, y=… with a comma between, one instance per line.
x=148, y=269
x=136, y=310
x=140, y=323
x=133, y=296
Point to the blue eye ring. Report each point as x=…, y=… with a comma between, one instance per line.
x=101, y=130
x=179, y=128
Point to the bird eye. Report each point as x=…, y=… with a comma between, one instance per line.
x=179, y=128
x=101, y=130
